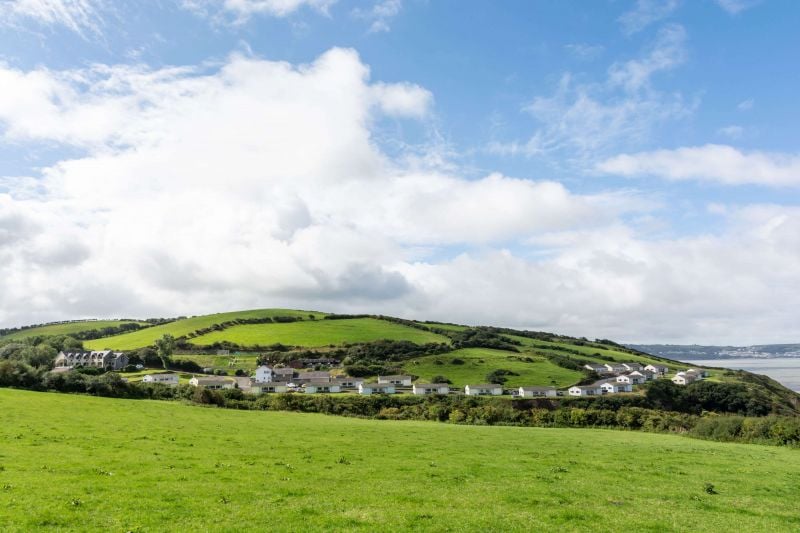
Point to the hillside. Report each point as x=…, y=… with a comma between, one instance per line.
x=212, y=469
x=67, y=328
x=186, y=326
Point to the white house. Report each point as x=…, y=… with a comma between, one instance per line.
x=268, y=387
x=305, y=377
x=264, y=374
x=375, y=388
x=659, y=370
x=534, y=392
x=346, y=382
x=321, y=387
x=615, y=367
x=697, y=372
x=633, y=366
x=213, y=383
x=585, y=390
x=97, y=359
x=684, y=378
x=430, y=388
x=612, y=387
x=164, y=379
x=624, y=378
x=488, y=389
x=600, y=369
x=637, y=378
x=402, y=381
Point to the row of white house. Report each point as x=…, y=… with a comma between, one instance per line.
x=654, y=371
x=691, y=375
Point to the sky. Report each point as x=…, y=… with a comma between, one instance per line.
x=623, y=169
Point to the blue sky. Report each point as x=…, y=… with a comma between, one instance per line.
x=624, y=169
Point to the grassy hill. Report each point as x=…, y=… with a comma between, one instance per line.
x=318, y=333
x=85, y=463
x=67, y=328
x=179, y=328
x=473, y=364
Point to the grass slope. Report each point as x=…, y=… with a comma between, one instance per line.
x=319, y=333
x=82, y=463
x=66, y=329
x=142, y=338
x=478, y=362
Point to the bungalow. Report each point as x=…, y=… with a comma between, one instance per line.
x=97, y=359
x=585, y=390
x=659, y=370
x=319, y=387
x=600, y=369
x=699, y=373
x=214, y=383
x=305, y=377
x=489, y=389
x=346, y=382
x=535, y=392
x=164, y=379
x=649, y=375
x=624, y=378
x=283, y=374
x=264, y=374
x=633, y=366
x=375, y=388
x=403, y=381
x=612, y=387
x=637, y=378
x=430, y=388
x=615, y=368
x=269, y=387
x=684, y=378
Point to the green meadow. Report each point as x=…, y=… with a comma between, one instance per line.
x=78, y=463
x=69, y=328
x=319, y=333
x=476, y=363
x=178, y=328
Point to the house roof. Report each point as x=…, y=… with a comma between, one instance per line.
x=162, y=375
x=537, y=388
x=431, y=385
x=394, y=377
x=270, y=384
x=376, y=385
x=212, y=380
x=486, y=386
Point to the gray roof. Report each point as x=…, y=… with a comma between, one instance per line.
x=537, y=388
x=432, y=385
x=394, y=377
x=486, y=386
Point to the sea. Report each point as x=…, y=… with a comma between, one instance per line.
x=785, y=370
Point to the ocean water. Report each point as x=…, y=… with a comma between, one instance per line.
x=785, y=370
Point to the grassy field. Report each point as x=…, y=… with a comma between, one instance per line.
x=75, y=463
x=230, y=363
x=478, y=362
x=448, y=327
x=66, y=329
x=140, y=339
x=319, y=333
x=587, y=352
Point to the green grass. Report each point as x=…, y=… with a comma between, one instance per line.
x=478, y=362
x=318, y=333
x=66, y=329
x=229, y=363
x=448, y=327
x=76, y=463
x=142, y=338
x=587, y=352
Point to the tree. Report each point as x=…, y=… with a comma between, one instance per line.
x=440, y=379
x=164, y=348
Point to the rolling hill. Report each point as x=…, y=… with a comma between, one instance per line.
x=67, y=328
x=74, y=463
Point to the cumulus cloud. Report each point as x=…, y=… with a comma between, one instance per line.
x=79, y=16
x=712, y=162
x=259, y=183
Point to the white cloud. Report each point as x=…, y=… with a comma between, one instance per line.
x=645, y=13
x=711, y=162
x=379, y=15
x=79, y=16
x=587, y=119
x=243, y=10
x=734, y=7
x=732, y=132
x=258, y=183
